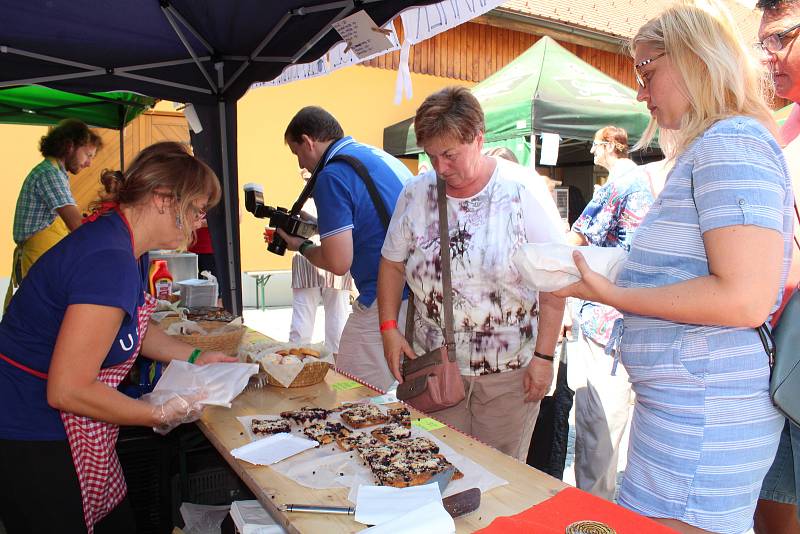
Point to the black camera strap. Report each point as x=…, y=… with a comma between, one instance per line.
x=363, y=173
x=305, y=194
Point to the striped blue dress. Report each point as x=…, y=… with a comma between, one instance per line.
x=704, y=431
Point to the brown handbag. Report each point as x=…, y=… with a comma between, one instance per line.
x=432, y=382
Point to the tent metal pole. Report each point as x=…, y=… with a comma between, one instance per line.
x=177, y=15
x=314, y=40
x=123, y=114
x=56, y=78
x=233, y=276
x=168, y=14
x=51, y=59
x=235, y=76
x=156, y=81
x=159, y=64
x=346, y=5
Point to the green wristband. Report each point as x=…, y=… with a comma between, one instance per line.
x=195, y=354
x=302, y=248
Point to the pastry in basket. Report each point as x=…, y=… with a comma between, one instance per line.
x=391, y=432
x=209, y=314
x=326, y=432
x=306, y=416
x=356, y=440
x=401, y=416
x=363, y=415
x=265, y=427
x=304, y=351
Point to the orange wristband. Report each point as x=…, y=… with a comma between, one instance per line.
x=388, y=325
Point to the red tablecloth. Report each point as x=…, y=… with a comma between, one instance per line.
x=568, y=506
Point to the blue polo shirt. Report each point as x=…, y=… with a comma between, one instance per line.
x=343, y=203
x=93, y=265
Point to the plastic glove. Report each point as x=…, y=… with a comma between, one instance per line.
x=171, y=409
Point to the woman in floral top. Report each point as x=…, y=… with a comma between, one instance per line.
x=603, y=404
x=505, y=332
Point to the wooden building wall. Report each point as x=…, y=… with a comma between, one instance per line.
x=474, y=51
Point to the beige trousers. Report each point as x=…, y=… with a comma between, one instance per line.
x=361, y=347
x=495, y=412
x=602, y=409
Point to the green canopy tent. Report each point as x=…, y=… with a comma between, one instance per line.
x=547, y=89
x=34, y=104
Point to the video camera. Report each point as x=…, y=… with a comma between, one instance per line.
x=287, y=220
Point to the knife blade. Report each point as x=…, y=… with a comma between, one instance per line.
x=456, y=505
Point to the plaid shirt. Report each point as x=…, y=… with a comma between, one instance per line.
x=45, y=189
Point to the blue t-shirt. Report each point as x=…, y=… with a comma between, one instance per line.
x=93, y=265
x=343, y=203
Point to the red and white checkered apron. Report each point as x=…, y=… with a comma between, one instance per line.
x=93, y=443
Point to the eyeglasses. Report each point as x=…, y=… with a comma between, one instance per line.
x=637, y=69
x=598, y=143
x=774, y=43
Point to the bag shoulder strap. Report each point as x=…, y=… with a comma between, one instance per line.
x=369, y=183
x=447, y=285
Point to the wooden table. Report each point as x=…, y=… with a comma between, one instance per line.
x=526, y=486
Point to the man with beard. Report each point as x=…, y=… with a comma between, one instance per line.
x=45, y=195
x=776, y=512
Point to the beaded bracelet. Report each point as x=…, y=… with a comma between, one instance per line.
x=195, y=354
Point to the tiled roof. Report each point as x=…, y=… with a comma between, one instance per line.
x=618, y=18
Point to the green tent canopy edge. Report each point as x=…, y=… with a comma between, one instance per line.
x=37, y=105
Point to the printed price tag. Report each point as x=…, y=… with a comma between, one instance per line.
x=426, y=423
x=344, y=385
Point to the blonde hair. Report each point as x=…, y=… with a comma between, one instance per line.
x=721, y=77
x=166, y=165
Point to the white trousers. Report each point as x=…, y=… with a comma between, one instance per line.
x=304, y=312
x=361, y=348
x=602, y=408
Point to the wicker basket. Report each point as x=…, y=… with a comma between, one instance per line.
x=312, y=373
x=227, y=342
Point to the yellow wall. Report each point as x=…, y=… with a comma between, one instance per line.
x=19, y=153
x=361, y=98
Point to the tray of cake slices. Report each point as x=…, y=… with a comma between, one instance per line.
x=362, y=443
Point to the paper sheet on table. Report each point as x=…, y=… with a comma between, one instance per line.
x=376, y=505
x=251, y=518
x=330, y=467
x=273, y=449
x=221, y=382
x=550, y=267
x=429, y=519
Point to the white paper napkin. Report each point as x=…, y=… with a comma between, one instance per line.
x=221, y=382
x=550, y=267
x=429, y=519
x=273, y=449
x=378, y=504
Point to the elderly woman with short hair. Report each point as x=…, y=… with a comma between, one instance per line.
x=505, y=332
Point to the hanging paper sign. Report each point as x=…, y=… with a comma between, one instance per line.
x=549, y=154
x=362, y=35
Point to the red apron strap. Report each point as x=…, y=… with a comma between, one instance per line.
x=34, y=372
